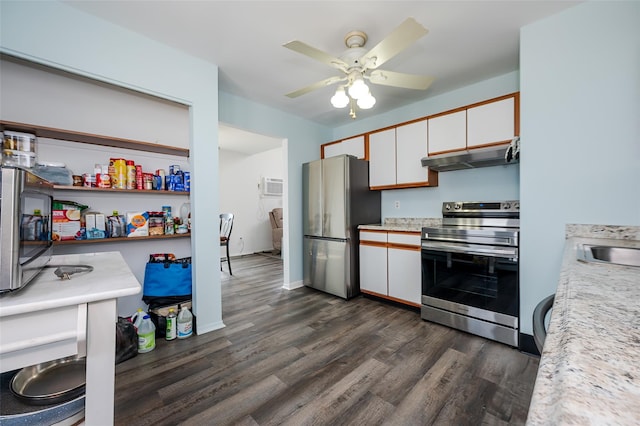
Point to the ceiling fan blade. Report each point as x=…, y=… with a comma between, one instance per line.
x=397, y=79
x=314, y=86
x=318, y=55
x=399, y=39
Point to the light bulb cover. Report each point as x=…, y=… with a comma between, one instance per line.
x=358, y=88
x=366, y=102
x=340, y=98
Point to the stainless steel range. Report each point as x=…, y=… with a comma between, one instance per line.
x=470, y=269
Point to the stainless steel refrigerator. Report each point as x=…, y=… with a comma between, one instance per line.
x=336, y=199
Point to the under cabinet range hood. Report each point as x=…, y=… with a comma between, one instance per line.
x=474, y=158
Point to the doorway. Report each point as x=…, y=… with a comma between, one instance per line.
x=247, y=161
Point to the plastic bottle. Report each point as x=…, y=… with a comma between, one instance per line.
x=137, y=318
x=185, y=323
x=146, y=335
x=171, y=325
x=131, y=174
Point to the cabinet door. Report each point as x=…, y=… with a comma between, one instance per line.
x=382, y=158
x=331, y=150
x=373, y=269
x=353, y=146
x=491, y=123
x=411, y=146
x=405, y=274
x=448, y=132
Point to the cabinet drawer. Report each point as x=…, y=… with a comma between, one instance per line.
x=378, y=237
x=404, y=238
x=35, y=337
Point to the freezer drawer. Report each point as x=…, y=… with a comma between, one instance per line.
x=331, y=266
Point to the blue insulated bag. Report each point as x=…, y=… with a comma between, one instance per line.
x=166, y=276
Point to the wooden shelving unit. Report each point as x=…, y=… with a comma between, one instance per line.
x=89, y=138
x=131, y=191
x=121, y=239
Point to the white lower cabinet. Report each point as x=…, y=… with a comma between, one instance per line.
x=404, y=274
x=373, y=277
x=390, y=265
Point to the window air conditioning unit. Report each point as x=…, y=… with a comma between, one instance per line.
x=271, y=186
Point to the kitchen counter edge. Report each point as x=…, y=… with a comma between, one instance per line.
x=589, y=372
x=111, y=278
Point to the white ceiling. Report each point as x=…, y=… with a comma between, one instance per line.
x=468, y=41
x=232, y=139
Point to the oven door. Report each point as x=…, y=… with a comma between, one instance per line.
x=474, y=280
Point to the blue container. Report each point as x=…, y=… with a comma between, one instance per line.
x=187, y=181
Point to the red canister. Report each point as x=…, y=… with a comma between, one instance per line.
x=139, y=177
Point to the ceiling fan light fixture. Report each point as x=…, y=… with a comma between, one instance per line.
x=358, y=88
x=340, y=98
x=366, y=102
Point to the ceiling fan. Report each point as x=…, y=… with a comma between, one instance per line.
x=359, y=65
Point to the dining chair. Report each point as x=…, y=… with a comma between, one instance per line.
x=226, y=225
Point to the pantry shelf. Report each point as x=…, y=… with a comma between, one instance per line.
x=121, y=239
x=70, y=135
x=136, y=191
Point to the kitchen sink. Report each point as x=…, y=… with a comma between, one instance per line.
x=609, y=254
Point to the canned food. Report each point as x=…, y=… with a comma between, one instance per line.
x=187, y=181
x=119, y=177
x=148, y=181
x=131, y=175
x=103, y=180
x=158, y=183
x=89, y=180
x=139, y=177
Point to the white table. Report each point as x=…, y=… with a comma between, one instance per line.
x=52, y=318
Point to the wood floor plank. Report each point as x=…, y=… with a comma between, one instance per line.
x=426, y=399
x=338, y=398
x=234, y=408
x=305, y=357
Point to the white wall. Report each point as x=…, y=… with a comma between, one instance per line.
x=240, y=176
x=49, y=97
x=580, y=109
x=65, y=38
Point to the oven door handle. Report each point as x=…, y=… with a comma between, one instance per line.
x=505, y=253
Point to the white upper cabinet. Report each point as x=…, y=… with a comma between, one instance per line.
x=448, y=132
x=382, y=158
x=394, y=157
x=352, y=146
x=491, y=123
x=411, y=146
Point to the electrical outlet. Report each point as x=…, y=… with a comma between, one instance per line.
x=397, y=204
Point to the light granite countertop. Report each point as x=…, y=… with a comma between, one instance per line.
x=405, y=224
x=589, y=373
x=111, y=278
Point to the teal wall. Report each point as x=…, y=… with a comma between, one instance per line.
x=491, y=183
x=302, y=141
x=57, y=35
x=580, y=127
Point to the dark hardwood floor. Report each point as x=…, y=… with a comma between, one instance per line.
x=303, y=357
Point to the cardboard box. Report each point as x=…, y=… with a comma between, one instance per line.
x=101, y=223
x=66, y=225
x=137, y=224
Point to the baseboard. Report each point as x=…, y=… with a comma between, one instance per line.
x=294, y=285
x=528, y=345
x=205, y=328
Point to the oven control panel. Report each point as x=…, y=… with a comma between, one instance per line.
x=481, y=208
